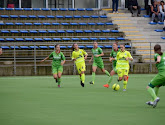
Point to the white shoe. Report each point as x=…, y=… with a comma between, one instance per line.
x=124, y=90
x=149, y=103
x=159, y=22
x=155, y=102
x=151, y=22
x=117, y=12
x=113, y=11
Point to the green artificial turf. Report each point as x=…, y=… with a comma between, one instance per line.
x=38, y=101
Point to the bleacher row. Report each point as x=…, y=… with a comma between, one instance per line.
x=59, y=39
x=52, y=47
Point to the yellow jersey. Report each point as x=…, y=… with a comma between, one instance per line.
x=122, y=63
x=79, y=56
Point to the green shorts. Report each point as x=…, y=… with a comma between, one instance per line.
x=57, y=69
x=100, y=65
x=158, y=80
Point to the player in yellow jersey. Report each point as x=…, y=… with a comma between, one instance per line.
x=122, y=65
x=79, y=56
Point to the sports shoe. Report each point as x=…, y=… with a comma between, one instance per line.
x=155, y=102
x=151, y=22
x=124, y=90
x=159, y=22
x=113, y=11
x=106, y=86
x=117, y=12
x=82, y=84
x=91, y=82
x=59, y=86
x=149, y=103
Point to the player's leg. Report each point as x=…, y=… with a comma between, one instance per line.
x=125, y=74
x=120, y=74
x=101, y=66
x=54, y=71
x=94, y=68
x=81, y=70
x=110, y=78
x=60, y=70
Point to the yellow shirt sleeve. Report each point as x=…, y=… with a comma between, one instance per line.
x=73, y=55
x=117, y=57
x=129, y=55
x=84, y=52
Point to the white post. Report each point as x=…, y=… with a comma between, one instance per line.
x=19, y=3
x=122, y=4
x=73, y=1
x=99, y=4
x=46, y=3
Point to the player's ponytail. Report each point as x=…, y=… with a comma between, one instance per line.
x=157, y=49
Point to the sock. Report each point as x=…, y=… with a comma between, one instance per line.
x=125, y=85
x=59, y=81
x=110, y=80
x=107, y=73
x=93, y=77
x=156, y=90
x=83, y=78
x=152, y=93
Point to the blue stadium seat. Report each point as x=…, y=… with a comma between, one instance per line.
x=59, y=16
x=109, y=23
x=32, y=16
x=102, y=38
x=69, y=47
x=47, y=39
x=89, y=9
x=63, y=9
x=2, y=8
x=108, y=46
x=42, y=31
x=89, y=46
x=24, y=47
x=28, y=24
x=41, y=16
x=127, y=46
x=65, y=24
x=71, y=9
x=19, y=39
x=38, y=39
x=50, y=16
x=2, y=39
x=51, y=47
x=69, y=31
x=84, y=39
x=83, y=24
x=45, y=9
x=54, y=9
x=37, y=9
x=10, y=24
x=19, y=24
x=100, y=23
x=66, y=39
x=88, y=31
x=4, y=31
x=67, y=16
x=51, y=31
x=74, y=24
x=80, y=9
x=152, y=23
x=142, y=8
x=23, y=16
x=158, y=30
x=9, y=8
x=24, y=31
x=63, y=47
x=33, y=47
x=28, y=39
x=163, y=37
x=100, y=46
x=1, y=24
x=97, y=31
x=79, y=31
x=4, y=16
x=95, y=16
x=12, y=47
x=27, y=9
x=33, y=31
x=75, y=39
x=106, y=31
x=18, y=9
x=46, y=24
x=114, y=31
x=81, y=47
x=56, y=24
x=93, y=38
x=76, y=16
x=14, y=31
x=57, y=39
x=111, y=38
x=161, y=23
x=91, y=23
x=5, y=47
x=43, y=47
x=146, y=16
x=60, y=31
x=120, y=38
x=37, y=24
x=103, y=16
x=85, y=16
x=13, y=16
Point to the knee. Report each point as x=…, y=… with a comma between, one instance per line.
x=120, y=78
x=55, y=77
x=103, y=70
x=59, y=76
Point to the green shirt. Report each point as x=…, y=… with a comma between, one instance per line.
x=113, y=55
x=160, y=66
x=57, y=57
x=95, y=52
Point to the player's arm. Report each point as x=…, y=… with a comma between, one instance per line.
x=158, y=59
x=73, y=56
x=63, y=58
x=101, y=51
x=85, y=54
x=51, y=55
x=129, y=57
x=91, y=59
